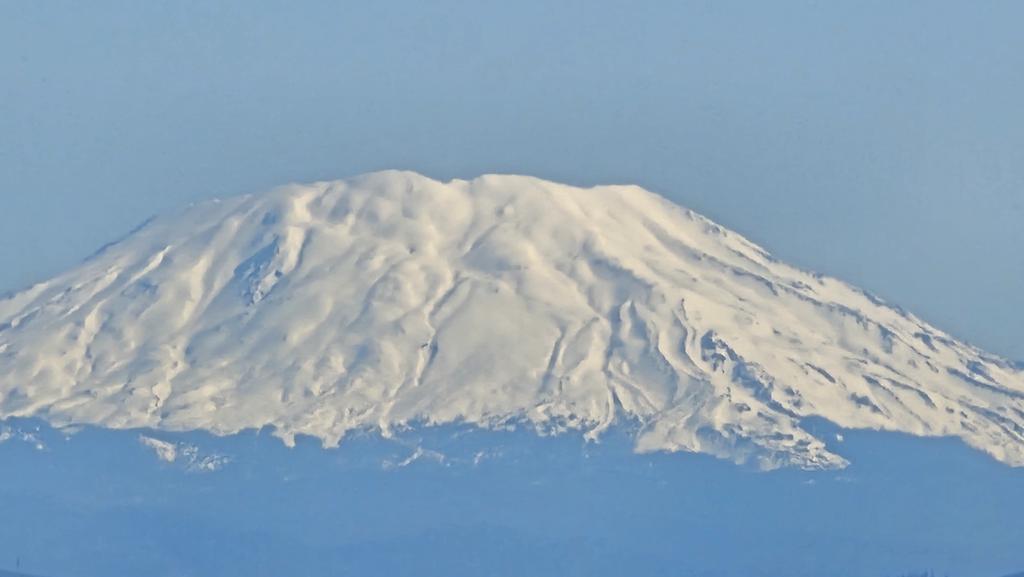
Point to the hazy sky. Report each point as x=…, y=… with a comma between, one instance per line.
x=879, y=142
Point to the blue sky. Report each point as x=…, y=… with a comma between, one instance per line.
x=880, y=142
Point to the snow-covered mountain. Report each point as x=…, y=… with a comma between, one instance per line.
x=392, y=300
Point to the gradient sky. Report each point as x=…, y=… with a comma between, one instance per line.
x=881, y=142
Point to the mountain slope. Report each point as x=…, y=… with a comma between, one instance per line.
x=391, y=299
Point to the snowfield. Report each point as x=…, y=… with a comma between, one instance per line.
x=391, y=300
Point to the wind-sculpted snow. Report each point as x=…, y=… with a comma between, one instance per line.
x=392, y=300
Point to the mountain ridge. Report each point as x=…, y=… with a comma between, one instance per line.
x=391, y=299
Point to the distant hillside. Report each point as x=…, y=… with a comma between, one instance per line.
x=10, y=574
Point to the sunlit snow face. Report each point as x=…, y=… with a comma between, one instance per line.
x=392, y=299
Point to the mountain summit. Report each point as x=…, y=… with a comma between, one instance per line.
x=391, y=300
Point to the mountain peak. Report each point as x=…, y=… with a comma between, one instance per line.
x=390, y=300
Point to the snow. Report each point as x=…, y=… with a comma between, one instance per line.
x=166, y=452
x=419, y=454
x=391, y=300
x=8, y=433
x=190, y=456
